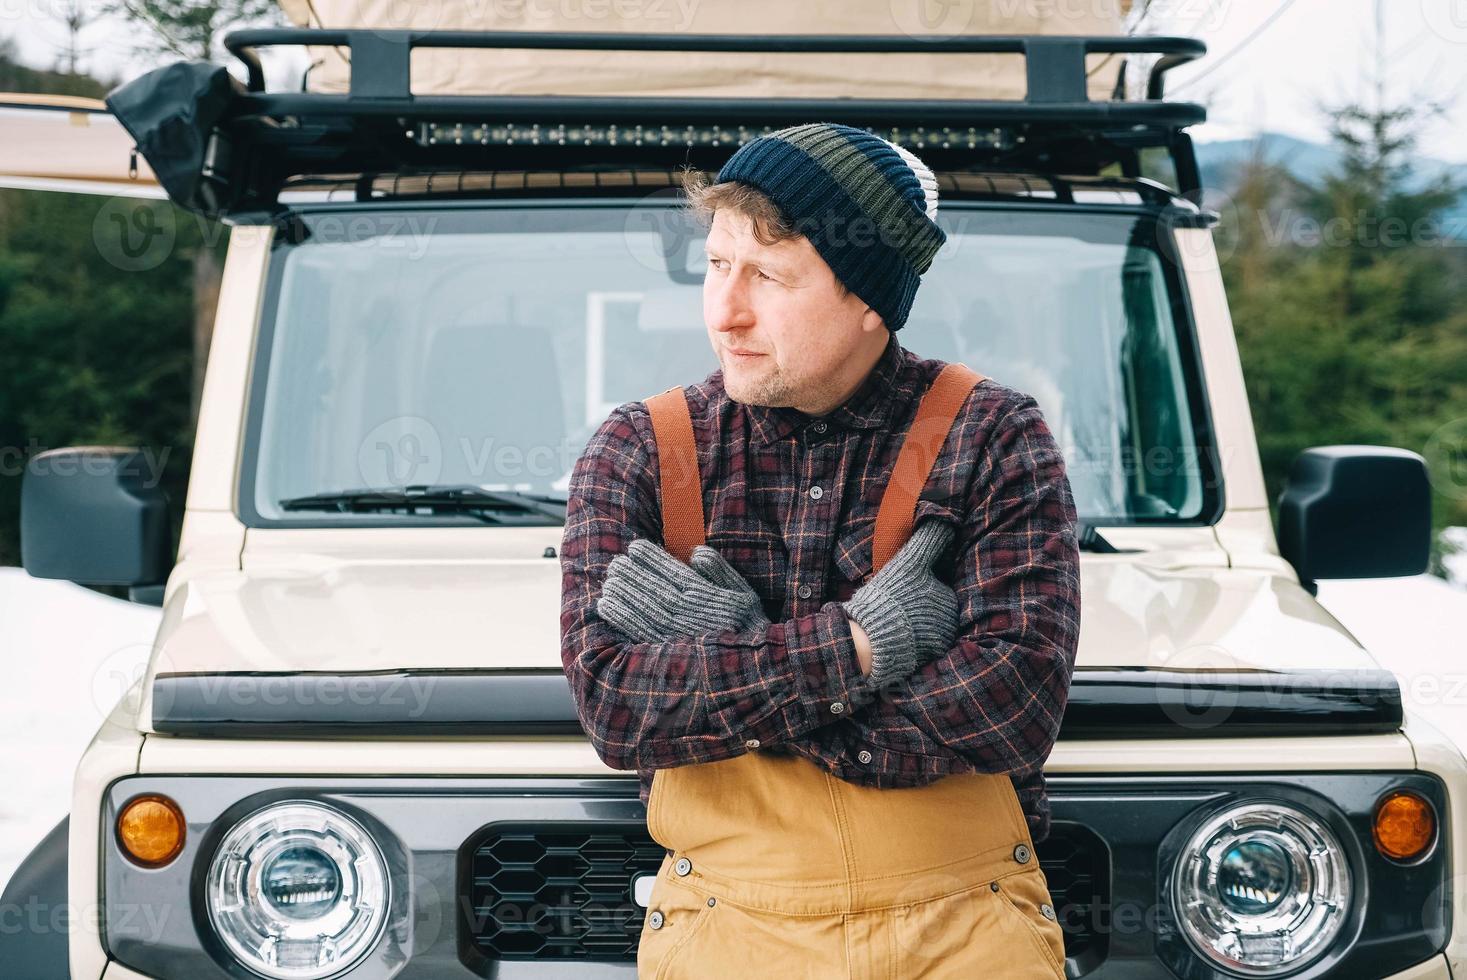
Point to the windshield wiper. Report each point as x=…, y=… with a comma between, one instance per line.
x=451, y=498
x=1090, y=540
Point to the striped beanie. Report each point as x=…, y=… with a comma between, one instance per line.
x=868, y=206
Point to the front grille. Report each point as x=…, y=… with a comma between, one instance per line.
x=563, y=891
x=558, y=892
x=1077, y=867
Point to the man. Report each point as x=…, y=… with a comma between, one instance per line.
x=845, y=768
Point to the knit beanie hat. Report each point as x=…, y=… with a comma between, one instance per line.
x=868, y=206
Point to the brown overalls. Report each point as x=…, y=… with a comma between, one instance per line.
x=777, y=868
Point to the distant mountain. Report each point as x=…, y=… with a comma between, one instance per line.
x=1219, y=161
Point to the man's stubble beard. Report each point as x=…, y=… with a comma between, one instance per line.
x=767, y=393
x=773, y=390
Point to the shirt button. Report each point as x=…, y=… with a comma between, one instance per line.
x=816, y=493
x=804, y=592
x=655, y=920
x=752, y=743
x=836, y=707
x=819, y=426
x=682, y=867
x=864, y=756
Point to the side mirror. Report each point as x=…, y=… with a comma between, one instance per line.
x=94, y=515
x=1355, y=512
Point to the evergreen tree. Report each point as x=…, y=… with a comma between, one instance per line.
x=1351, y=312
x=91, y=351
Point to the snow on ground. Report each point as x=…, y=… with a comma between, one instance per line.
x=1456, y=537
x=67, y=653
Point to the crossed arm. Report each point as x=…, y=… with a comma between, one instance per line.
x=991, y=703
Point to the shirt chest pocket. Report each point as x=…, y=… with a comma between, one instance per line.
x=851, y=556
x=853, y=551
x=758, y=554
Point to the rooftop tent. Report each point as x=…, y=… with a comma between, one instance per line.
x=717, y=74
x=67, y=143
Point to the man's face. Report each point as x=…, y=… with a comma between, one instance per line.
x=807, y=344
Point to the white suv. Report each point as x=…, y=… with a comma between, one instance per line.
x=354, y=751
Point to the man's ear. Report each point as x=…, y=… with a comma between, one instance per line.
x=871, y=320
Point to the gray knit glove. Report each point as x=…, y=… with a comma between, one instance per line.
x=908, y=614
x=650, y=595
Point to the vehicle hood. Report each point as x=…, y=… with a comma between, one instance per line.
x=473, y=608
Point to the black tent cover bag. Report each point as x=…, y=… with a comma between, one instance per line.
x=171, y=113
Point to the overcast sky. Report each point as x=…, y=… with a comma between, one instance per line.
x=1307, y=51
x=1315, y=50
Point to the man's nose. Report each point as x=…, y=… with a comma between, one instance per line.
x=726, y=303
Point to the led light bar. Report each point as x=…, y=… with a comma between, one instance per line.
x=510, y=134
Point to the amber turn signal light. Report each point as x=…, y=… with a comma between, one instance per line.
x=150, y=830
x=1405, y=825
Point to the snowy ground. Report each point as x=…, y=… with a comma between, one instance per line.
x=70, y=653
x=1456, y=537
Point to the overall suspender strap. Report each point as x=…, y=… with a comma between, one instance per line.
x=935, y=414
x=683, y=527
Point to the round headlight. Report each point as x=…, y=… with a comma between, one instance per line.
x=1261, y=889
x=298, y=891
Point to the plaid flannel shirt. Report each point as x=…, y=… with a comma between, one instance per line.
x=790, y=501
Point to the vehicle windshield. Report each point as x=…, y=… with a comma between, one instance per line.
x=482, y=346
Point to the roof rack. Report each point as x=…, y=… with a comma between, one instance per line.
x=249, y=142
